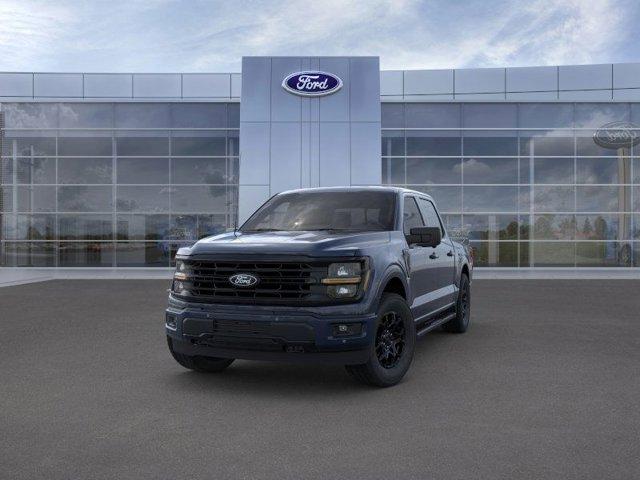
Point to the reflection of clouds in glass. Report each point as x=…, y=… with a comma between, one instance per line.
x=475, y=167
x=26, y=115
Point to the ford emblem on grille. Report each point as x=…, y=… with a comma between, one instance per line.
x=312, y=84
x=243, y=280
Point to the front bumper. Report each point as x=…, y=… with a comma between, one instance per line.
x=269, y=333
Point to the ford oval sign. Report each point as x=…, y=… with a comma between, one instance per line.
x=617, y=135
x=312, y=84
x=243, y=280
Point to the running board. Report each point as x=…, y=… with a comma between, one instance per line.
x=436, y=324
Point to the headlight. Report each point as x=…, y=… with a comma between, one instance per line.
x=343, y=279
x=179, y=276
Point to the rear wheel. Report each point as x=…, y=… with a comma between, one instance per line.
x=393, y=346
x=460, y=323
x=199, y=364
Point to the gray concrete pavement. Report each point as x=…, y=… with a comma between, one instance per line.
x=545, y=384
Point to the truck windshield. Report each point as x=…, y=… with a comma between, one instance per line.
x=333, y=211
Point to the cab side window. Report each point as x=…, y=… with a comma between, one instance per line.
x=429, y=214
x=412, y=217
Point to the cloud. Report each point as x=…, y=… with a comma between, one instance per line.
x=166, y=35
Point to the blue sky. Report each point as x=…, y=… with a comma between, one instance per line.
x=212, y=36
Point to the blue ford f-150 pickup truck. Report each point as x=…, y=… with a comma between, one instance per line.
x=346, y=275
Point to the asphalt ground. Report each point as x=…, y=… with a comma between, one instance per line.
x=545, y=384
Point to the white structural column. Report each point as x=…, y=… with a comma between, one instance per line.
x=288, y=141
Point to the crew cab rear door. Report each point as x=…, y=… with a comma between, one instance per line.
x=441, y=259
x=421, y=275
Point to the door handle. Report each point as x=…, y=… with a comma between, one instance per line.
x=433, y=256
x=450, y=253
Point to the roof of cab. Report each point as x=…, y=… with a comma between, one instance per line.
x=375, y=188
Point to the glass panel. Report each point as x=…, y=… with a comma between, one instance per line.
x=553, y=170
x=85, y=199
x=490, y=143
x=636, y=170
x=554, y=227
x=525, y=227
x=6, y=170
x=233, y=143
x=143, y=199
x=85, y=227
x=203, y=145
x=91, y=146
x=392, y=143
x=35, y=227
x=233, y=170
x=392, y=115
x=233, y=112
x=490, y=115
x=432, y=115
x=135, y=254
x=142, y=170
x=199, y=115
x=30, y=115
x=598, y=114
x=85, y=170
x=636, y=254
x=553, y=254
x=433, y=143
x=525, y=173
x=200, y=199
x=36, y=170
x=603, y=227
x=490, y=170
x=143, y=227
x=603, y=170
x=603, y=254
x=525, y=258
x=490, y=199
x=142, y=115
x=199, y=170
x=39, y=254
x=393, y=171
x=636, y=199
x=194, y=227
x=447, y=199
x=554, y=199
x=6, y=199
x=635, y=234
x=495, y=254
x=603, y=199
x=546, y=144
x=545, y=115
x=36, y=199
x=146, y=146
x=428, y=171
x=93, y=115
x=491, y=227
x=32, y=146
x=80, y=254
x=585, y=145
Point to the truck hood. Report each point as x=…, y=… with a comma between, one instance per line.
x=312, y=243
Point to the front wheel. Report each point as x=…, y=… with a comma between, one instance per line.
x=199, y=364
x=393, y=346
x=460, y=322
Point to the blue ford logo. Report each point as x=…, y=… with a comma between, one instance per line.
x=243, y=280
x=312, y=84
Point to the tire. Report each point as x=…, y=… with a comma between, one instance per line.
x=460, y=323
x=199, y=364
x=394, y=330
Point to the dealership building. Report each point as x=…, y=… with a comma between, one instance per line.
x=536, y=167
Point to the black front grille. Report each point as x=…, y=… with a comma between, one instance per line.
x=278, y=282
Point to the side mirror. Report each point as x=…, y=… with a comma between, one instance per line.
x=425, y=236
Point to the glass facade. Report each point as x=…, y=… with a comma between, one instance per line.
x=114, y=184
x=124, y=184
x=525, y=182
